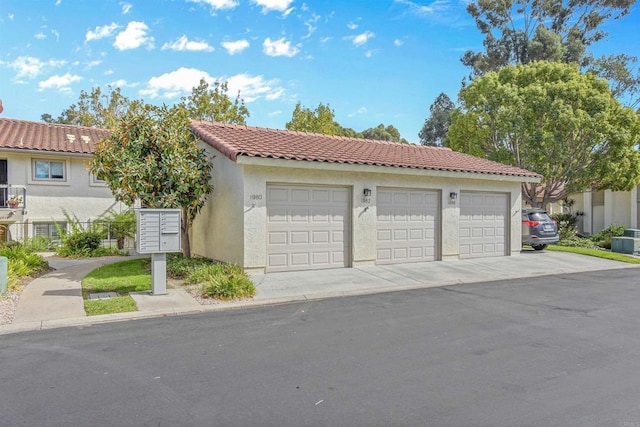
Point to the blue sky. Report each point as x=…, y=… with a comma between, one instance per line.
x=373, y=61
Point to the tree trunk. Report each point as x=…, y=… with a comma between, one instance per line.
x=186, y=244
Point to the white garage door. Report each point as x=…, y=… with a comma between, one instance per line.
x=307, y=227
x=483, y=224
x=406, y=226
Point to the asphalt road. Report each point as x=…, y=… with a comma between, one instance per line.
x=558, y=351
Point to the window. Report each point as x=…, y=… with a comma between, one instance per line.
x=49, y=170
x=48, y=229
x=97, y=181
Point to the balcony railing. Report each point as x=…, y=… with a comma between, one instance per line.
x=13, y=197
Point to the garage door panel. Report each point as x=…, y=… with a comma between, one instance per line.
x=406, y=225
x=483, y=224
x=307, y=227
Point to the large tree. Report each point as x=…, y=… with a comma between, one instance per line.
x=552, y=119
x=215, y=105
x=382, y=133
x=94, y=109
x=523, y=31
x=152, y=156
x=319, y=120
x=434, y=130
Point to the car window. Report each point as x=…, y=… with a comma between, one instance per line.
x=539, y=216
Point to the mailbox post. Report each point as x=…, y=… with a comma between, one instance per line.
x=158, y=233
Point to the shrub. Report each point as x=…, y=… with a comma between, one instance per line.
x=604, y=237
x=576, y=242
x=80, y=244
x=21, y=263
x=223, y=281
x=180, y=267
x=567, y=224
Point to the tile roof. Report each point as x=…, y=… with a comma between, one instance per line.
x=235, y=140
x=21, y=134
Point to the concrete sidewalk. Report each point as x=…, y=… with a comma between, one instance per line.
x=55, y=299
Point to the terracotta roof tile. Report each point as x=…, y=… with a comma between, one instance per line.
x=234, y=141
x=20, y=134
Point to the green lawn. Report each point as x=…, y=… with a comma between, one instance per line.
x=122, y=278
x=596, y=253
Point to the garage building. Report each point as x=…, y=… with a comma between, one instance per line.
x=286, y=201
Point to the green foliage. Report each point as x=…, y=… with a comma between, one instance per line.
x=21, y=263
x=525, y=31
x=551, y=119
x=223, y=281
x=434, y=130
x=567, y=224
x=576, y=242
x=214, y=105
x=604, y=237
x=118, y=225
x=382, y=133
x=180, y=267
x=152, y=156
x=321, y=120
x=95, y=109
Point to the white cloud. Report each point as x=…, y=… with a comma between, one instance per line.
x=182, y=81
x=362, y=38
x=254, y=87
x=61, y=83
x=30, y=67
x=325, y=39
x=174, y=84
x=420, y=10
x=101, y=32
x=134, y=36
x=57, y=34
x=10, y=16
x=40, y=36
x=236, y=46
x=362, y=110
x=126, y=7
x=269, y=5
x=311, y=25
x=280, y=47
x=95, y=63
x=352, y=25
x=398, y=42
x=370, y=53
x=217, y=4
x=184, y=44
x=274, y=113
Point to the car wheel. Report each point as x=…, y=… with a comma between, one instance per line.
x=538, y=247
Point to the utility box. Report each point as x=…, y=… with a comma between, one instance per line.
x=158, y=231
x=631, y=232
x=625, y=245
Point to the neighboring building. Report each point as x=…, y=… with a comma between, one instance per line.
x=287, y=200
x=45, y=167
x=605, y=207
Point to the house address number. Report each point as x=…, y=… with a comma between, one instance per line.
x=255, y=197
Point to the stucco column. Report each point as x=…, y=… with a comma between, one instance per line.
x=608, y=207
x=587, y=219
x=450, y=227
x=634, y=207
x=363, y=229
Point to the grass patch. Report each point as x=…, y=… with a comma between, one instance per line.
x=122, y=277
x=614, y=256
x=108, y=306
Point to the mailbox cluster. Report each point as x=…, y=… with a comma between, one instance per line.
x=158, y=231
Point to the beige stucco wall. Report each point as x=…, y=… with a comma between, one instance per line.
x=240, y=198
x=620, y=207
x=79, y=195
x=217, y=231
